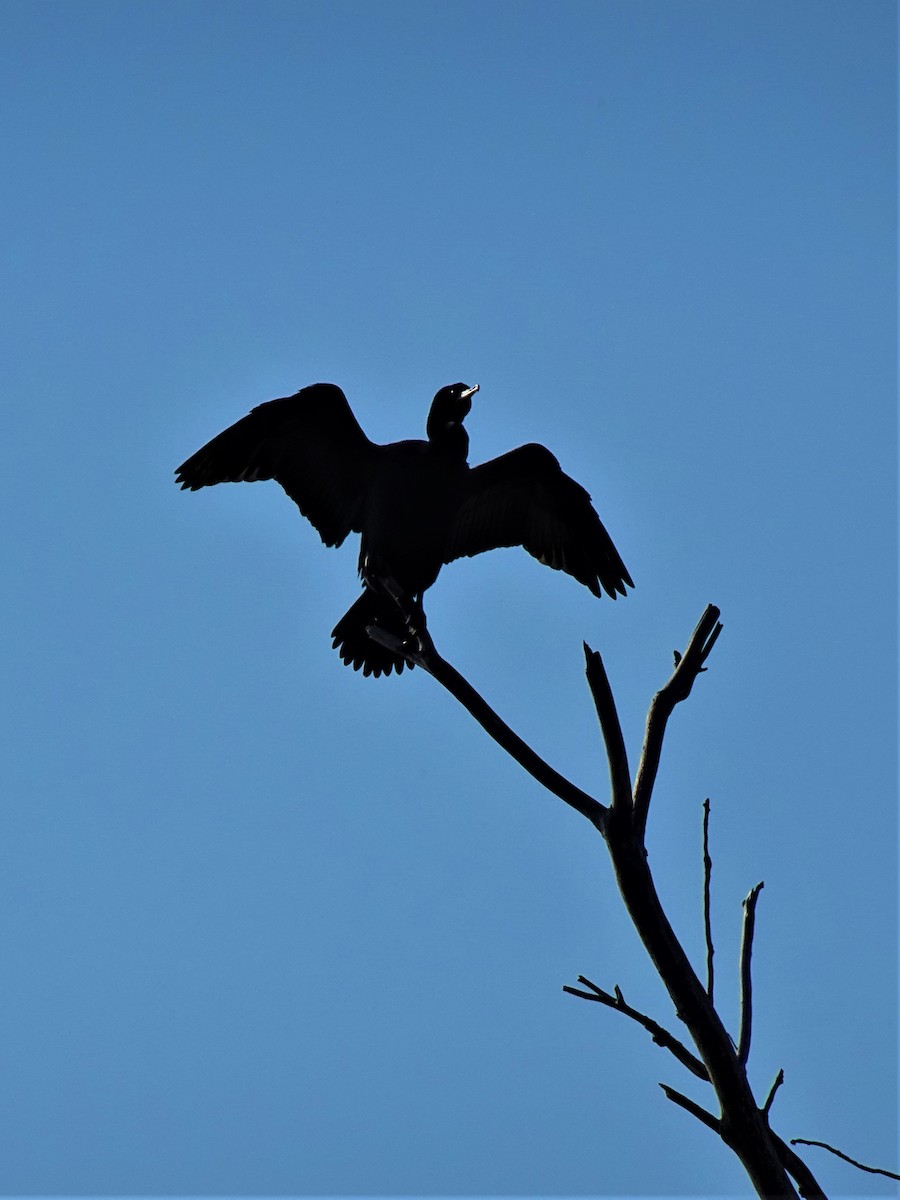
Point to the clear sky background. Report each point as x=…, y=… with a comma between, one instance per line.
x=270, y=927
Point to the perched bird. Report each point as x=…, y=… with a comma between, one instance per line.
x=417, y=504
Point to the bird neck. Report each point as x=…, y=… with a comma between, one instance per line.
x=449, y=439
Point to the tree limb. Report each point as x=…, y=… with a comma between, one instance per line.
x=424, y=655
x=746, y=980
x=695, y=1110
x=661, y=1036
x=687, y=667
x=617, y=756
x=779, y=1080
x=707, y=918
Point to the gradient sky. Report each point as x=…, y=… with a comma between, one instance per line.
x=268, y=927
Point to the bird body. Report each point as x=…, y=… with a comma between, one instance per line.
x=416, y=504
x=416, y=488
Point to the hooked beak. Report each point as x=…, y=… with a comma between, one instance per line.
x=469, y=392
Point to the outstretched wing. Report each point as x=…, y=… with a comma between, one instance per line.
x=525, y=499
x=310, y=443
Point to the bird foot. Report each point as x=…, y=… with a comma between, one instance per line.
x=410, y=647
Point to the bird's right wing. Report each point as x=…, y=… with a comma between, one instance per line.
x=310, y=443
x=524, y=498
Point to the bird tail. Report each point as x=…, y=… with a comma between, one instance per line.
x=355, y=646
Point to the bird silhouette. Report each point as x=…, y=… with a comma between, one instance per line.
x=417, y=505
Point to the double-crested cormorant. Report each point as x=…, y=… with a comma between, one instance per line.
x=417, y=504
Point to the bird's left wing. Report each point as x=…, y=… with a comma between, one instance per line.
x=310, y=443
x=524, y=498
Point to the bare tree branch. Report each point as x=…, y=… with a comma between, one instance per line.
x=688, y=667
x=695, y=1110
x=707, y=917
x=779, y=1080
x=845, y=1157
x=426, y=656
x=746, y=980
x=661, y=1036
x=619, y=774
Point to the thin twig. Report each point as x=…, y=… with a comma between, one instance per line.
x=779, y=1080
x=688, y=667
x=707, y=917
x=746, y=980
x=661, y=1036
x=845, y=1157
x=617, y=756
x=695, y=1110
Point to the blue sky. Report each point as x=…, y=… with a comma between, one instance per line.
x=271, y=928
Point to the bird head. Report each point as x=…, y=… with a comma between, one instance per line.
x=450, y=407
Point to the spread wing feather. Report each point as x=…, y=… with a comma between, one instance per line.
x=524, y=498
x=310, y=443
